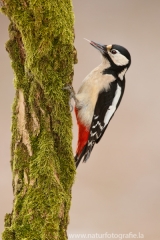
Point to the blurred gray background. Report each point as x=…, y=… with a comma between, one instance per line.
x=118, y=189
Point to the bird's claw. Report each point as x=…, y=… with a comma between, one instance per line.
x=70, y=89
x=72, y=95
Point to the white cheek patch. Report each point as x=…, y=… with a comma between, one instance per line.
x=112, y=108
x=119, y=59
x=121, y=75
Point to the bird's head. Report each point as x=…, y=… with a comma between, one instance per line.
x=118, y=56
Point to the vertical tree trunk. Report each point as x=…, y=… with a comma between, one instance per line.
x=42, y=54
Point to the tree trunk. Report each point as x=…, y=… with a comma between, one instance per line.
x=42, y=54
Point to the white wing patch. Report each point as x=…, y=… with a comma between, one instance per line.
x=112, y=108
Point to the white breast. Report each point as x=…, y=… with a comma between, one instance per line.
x=89, y=90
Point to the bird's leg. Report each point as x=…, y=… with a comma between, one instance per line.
x=72, y=95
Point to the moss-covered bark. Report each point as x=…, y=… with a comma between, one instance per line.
x=42, y=54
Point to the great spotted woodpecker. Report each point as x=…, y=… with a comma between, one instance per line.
x=99, y=96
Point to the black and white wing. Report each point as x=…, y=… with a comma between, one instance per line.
x=107, y=103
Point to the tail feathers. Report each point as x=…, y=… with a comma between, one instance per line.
x=79, y=156
x=77, y=160
x=85, y=154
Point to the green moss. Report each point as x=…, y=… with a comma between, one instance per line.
x=42, y=54
x=8, y=234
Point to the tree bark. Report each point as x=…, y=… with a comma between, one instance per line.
x=42, y=55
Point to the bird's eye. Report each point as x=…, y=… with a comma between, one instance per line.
x=113, y=51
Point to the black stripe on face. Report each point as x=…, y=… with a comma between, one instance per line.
x=114, y=72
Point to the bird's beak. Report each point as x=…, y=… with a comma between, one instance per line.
x=101, y=48
x=98, y=46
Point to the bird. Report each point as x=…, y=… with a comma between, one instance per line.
x=99, y=97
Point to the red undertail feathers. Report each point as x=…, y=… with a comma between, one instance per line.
x=83, y=135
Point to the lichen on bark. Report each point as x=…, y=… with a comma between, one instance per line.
x=42, y=56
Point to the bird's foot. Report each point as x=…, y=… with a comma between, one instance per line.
x=72, y=95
